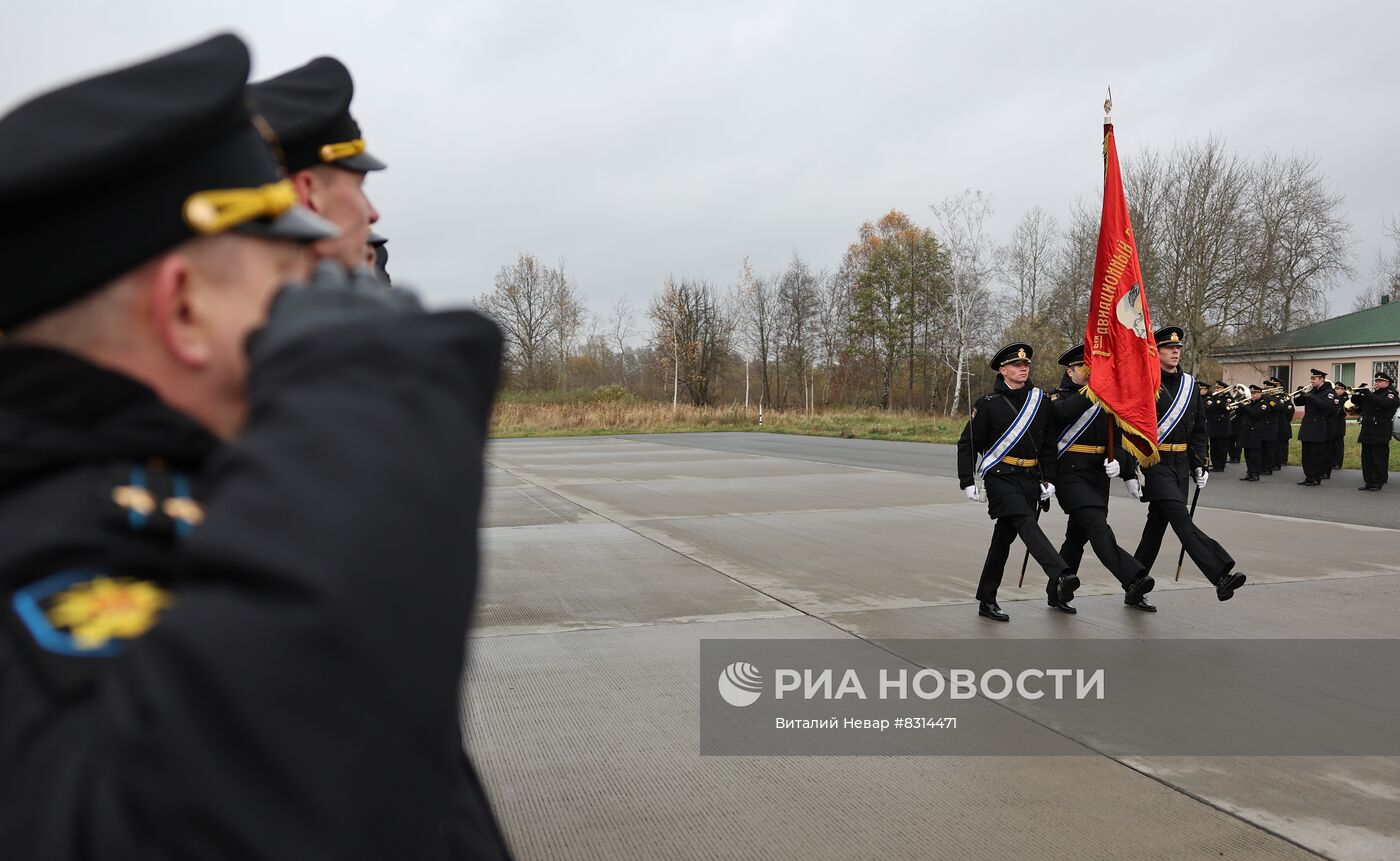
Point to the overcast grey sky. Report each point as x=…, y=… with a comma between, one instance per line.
x=637, y=140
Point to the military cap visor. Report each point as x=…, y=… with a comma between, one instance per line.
x=1314, y=372
x=1254, y=388
x=1072, y=356
x=309, y=109
x=376, y=239
x=1384, y=376
x=104, y=174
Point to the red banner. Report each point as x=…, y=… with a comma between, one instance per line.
x=1118, y=345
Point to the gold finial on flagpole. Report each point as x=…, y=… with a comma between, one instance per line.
x=1108, y=107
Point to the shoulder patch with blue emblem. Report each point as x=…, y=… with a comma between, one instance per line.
x=88, y=612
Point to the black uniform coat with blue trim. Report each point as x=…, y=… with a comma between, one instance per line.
x=1011, y=490
x=1171, y=477
x=1081, y=481
x=300, y=697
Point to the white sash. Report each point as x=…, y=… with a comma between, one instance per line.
x=1013, y=434
x=1168, y=422
x=1076, y=430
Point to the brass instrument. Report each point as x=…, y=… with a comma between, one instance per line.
x=1241, y=395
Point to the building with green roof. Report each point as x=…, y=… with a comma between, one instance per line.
x=1352, y=348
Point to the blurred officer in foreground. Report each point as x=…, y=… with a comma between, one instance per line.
x=1378, y=408
x=1082, y=481
x=1181, y=439
x=1009, y=443
x=237, y=569
x=324, y=150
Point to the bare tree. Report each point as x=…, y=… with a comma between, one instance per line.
x=524, y=305
x=1301, y=244
x=690, y=321
x=1029, y=261
x=797, y=312
x=569, y=316
x=967, y=309
x=622, y=327
x=757, y=321
x=1385, y=278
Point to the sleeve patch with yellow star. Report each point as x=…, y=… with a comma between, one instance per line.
x=89, y=613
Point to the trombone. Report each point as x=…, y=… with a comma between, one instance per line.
x=1239, y=395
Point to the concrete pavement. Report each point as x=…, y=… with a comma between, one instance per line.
x=607, y=560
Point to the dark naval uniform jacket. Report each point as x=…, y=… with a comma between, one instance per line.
x=1171, y=477
x=246, y=650
x=1256, y=428
x=1319, y=407
x=1011, y=489
x=1082, y=482
x=1217, y=417
x=1377, y=413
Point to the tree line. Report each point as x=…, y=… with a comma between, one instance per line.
x=1232, y=249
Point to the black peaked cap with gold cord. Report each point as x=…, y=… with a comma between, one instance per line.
x=101, y=175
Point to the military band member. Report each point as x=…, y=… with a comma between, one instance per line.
x=1236, y=450
x=1181, y=434
x=1254, y=431
x=1337, y=429
x=1218, y=421
x=1287, y=411
x=1010, y=443
x=1319, y=403
x=1377, y=413
x=1272, y=419
x=1082, y=481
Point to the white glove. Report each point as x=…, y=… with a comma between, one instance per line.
x=1134, y=488
x=1111, y=468
x=971, y=493
x=1046, y=489
x=1201, y=478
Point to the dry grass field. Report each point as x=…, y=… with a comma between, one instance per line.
x=584, y=414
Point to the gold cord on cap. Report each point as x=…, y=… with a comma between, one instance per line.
x=332, y=152
x=210, y=212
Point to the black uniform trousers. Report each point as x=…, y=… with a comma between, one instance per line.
x=1269, y=450
x=1219, y=451
x=1235, y=446
x=1375, y=463
x=1253, y=461
x=1339, y=449
x=1091, y=525
x=1013, y=499
x=1003, y=534
x=1317, y=459
x=1168, y=508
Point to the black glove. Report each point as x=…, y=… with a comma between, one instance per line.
x=332, y=298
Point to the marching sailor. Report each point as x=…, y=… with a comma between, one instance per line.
x=1084, y=473
x=1181, y=435
x=1009, y=443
